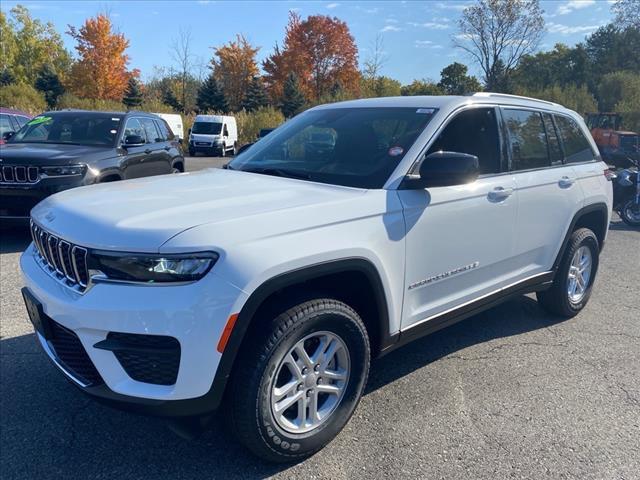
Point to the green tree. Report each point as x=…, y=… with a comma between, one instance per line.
x=292, y=97
x=379, y=86
x=561, y=66
x=627, y=13
x=618, y=87
x=577, y=98
x=48, y=82
x=169, y=98
x=421, y=87
x=455, y=81
x=133, y=94
x=6, y=77
x=29, y=44
x=210, y=97
x=611, y=49
x=22, y=97
x=256, y=95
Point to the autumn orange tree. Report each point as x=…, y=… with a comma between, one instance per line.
x=234, y=65
x=320, y=51
x=101, y=71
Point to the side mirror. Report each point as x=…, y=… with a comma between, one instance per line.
x=133, y=141
x=189, y=132
x=180, y=140
x=7, y=135
x=445, y=169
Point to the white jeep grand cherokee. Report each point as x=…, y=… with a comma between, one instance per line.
x=354, y=228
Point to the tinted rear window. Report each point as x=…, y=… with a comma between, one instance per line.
x=576, y=146
x=527, y=139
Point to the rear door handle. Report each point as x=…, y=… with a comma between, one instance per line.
x=566, y=182
x=500, y=193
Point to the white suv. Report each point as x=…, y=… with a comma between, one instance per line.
x=268, y=286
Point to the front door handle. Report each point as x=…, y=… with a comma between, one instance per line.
x=499, y=194
x=566, y=182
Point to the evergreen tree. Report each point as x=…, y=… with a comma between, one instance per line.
x=6, y=77
x=256, y=96
x=50, y=85
x=210, y=97
x=169, y=98
x=133, y=94
x=292, y=97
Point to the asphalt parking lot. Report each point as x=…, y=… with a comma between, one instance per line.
x=510, y=393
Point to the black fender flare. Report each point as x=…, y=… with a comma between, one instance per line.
x=595, y=207
x=288, y=279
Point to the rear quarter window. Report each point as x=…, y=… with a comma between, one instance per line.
x=576, y=146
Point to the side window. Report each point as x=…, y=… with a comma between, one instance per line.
x=150, y=128
x=576, y=146
x=165, y=131
x=555, y=152
x=473, y=131
x=527, y=139
x=134, y=127
x=21, y=120
x=5, y=124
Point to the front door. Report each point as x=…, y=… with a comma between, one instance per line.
x=460, y=240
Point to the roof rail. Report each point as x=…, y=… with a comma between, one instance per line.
x=506, y=95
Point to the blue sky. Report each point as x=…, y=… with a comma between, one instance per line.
x=416, y=34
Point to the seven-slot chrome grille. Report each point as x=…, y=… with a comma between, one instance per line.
x=19, y=174
x=66, y=261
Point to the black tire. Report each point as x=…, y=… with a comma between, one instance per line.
x=235, y=149
x=249, y=394
x=192, y=152
x=223, y=150
x=630, y=213
x=556, y=300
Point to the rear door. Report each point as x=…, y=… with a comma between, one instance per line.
x=157, y=160
x=548, y=195
x=460, y=239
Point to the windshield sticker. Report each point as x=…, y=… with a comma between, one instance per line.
x=113, y=132
x=395, y=151
x=116, y=119
x=425, y=110
x=39, y=120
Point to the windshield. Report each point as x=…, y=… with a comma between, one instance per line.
x=355, y=147
x=78, y=128
x=206, y=128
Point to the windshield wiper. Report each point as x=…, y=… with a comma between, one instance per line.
x=278, y=172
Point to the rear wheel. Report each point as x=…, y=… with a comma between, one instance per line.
x=297, y=386
x=630, y=213
x=574, y=279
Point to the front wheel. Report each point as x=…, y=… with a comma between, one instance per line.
x=223, y=151
x=630, y=213
x=298, y=384
x=574, y=278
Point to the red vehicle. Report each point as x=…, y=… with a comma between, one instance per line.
x=617, y=146
x=10, y=122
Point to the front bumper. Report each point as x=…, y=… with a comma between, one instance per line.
x=194, y=314
x=16, y=201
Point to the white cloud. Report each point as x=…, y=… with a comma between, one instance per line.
x=452, y=5
x=391, y=20
x=569, y=30
x=390, y=28
x=572, y=5
x=432, y=25
x=333, y=5
x=426, y=44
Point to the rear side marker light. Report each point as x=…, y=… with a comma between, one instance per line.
x=226, y=333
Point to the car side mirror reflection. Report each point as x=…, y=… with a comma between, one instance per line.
x=7, y=135
x=445, y=169
x=133, y=141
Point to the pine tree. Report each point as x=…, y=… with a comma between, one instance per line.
x=292, y=97
x=50, y=85
x=256, y=96
x=133, y=94
x=169, y=98
x=6, y=77
x=211, y=98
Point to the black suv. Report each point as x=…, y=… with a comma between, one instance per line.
x=60, y=150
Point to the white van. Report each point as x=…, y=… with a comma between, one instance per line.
x=175, y=123
x=213, y=135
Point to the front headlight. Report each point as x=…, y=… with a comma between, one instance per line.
x=150, y=268
x=63, y=170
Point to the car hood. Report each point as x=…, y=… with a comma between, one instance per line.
x=142, y=214
x=50, y=154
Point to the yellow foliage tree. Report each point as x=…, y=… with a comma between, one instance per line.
x=234, y=65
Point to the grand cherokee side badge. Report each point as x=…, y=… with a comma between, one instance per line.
x=447, y=274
